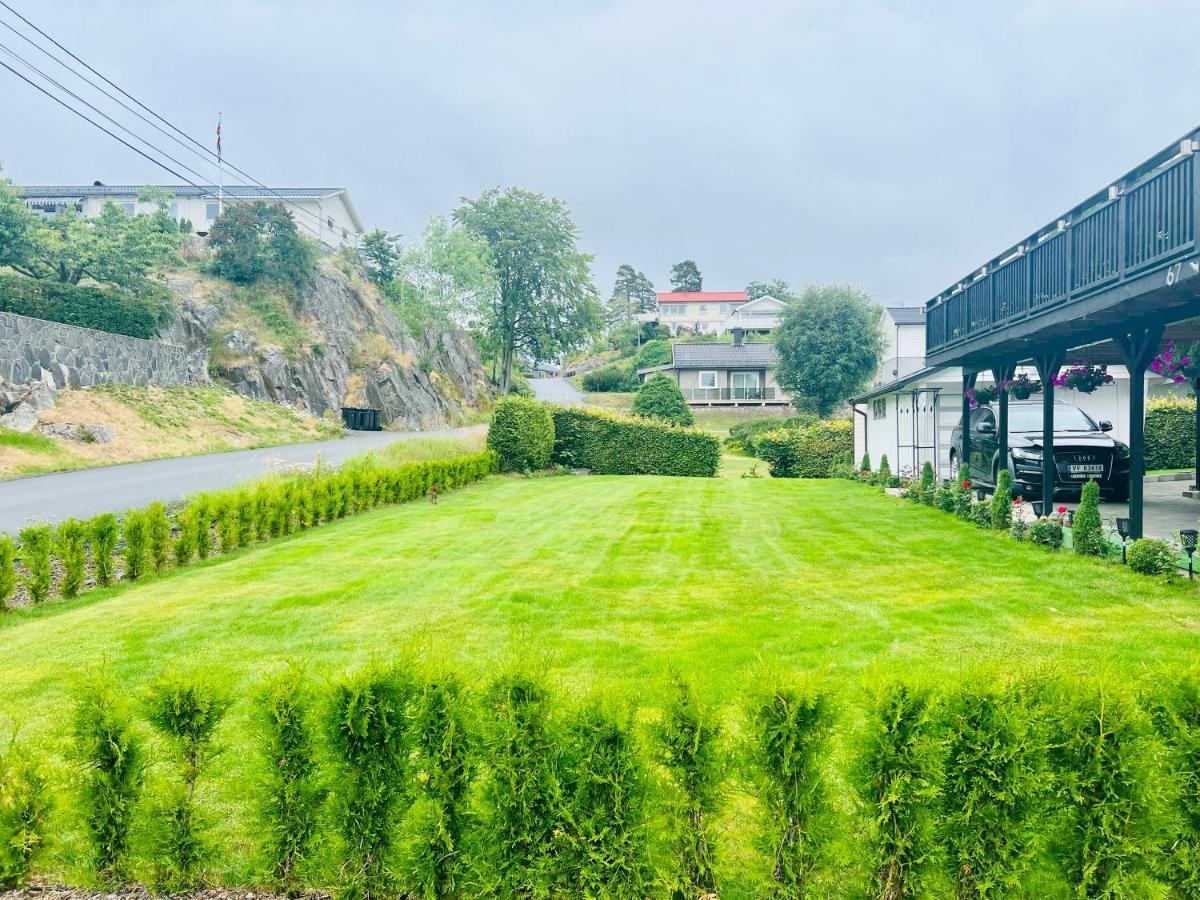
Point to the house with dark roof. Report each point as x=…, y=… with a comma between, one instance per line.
x=720, y=374
x=323, y=213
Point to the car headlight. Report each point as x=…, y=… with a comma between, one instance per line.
x=1122, y=451
x=1027, y=454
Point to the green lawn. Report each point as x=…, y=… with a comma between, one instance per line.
x=609, y=583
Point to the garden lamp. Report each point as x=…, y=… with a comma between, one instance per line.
x=1037, y=508
x=1123, y=533
x=1187, y=537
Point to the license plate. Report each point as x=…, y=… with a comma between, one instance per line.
x=1085, y=470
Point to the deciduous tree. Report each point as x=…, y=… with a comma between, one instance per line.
x=545, y=303
x=829, y=344
x=259, y=241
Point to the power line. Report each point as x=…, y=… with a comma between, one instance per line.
x=315, y=217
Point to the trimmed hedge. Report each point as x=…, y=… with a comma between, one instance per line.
x=273, y=507
x=608, y=444
x=813, y=451
x=1171, y=433
x=88, y=307
x=521, y=434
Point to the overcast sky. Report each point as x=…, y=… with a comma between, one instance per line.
x=897, y=146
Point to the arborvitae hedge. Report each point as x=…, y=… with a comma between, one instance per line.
x=219, y=522
x=1171, y=433
x=608, y=444
x=88, y=307
x=521, y=434
x=987, y=789
x=812, y=451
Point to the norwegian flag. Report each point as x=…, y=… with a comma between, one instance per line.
x=218, y=137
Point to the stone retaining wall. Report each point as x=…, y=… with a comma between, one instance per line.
x=69, y=356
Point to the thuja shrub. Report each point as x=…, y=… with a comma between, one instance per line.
x=111, y=774
x=1175, y=711
x=158, y=535
x=24, y=808
x=865, y=465
x=1152, y=556
x=1002, y=501
x=294, y=793
x=688, y=743
x=522, y=434
x=136, y=544
x=992, y=792
x=103, y=531
x=1087, y=532
x=1110, y=784
x=229, y=534
x=36, y=543
x=604, y=804
x=897, y=774
x=8, y=573
x=366, y=724
x=521, y=795
x=200, y=518
x=70, y=545
x=184, y=547
x=262, y=510
x=185, y=712
x=884, y=476
x=443, y=764
x=927, y=476
x=790, y=726
x=609, y=444
x=243, y=513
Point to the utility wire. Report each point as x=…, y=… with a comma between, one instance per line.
x=206, y=152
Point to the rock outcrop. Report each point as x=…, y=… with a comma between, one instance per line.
x=355, y=351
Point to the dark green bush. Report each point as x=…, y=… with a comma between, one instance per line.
x=105, y=309
x=898, y=773
x=1171, y=433
x=810, y=452
x=608, y=444
x=186, y=713
x=615, y=378
x=8, y=573
x=660, y=398
x=927, y=477
x=521, y=795
x=1046, y=533
x=791, y=727
x=294, y=794
x=36, y=543
x=366, y=731
x=70, y=543
x=744, y=435
x=1087, y=532
x=103, y=531
x=655, y=353
x=158, y=535
x=1002, y=501
x=136, y=540
x=521, y=434
x=689, y=749
x=110, y=762
x=1152, y=556
x=604, y=820
x=865, y=465
x=883, y=475
x=24, y=807
x=443, y=763
x=258, y=241
x=995, y=782
x=1110, y=784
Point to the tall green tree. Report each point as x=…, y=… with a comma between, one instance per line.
x=380, y=253
x=829, y=344
x=257, y=241
x=776, y=287
x=18, y=230
x=632, y=293
x=685, y=276
x=545, y=303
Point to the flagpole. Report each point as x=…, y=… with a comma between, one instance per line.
x=220, y=171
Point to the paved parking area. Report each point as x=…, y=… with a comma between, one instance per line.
x=1166, y=509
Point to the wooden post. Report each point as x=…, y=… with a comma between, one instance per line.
x=968, y=384
x=1048, y=365
x=1196, y=473
x=1003, y=374
x=1137, y=350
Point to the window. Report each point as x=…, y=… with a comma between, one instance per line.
x=329, y=222
x=130, y=208
x=212, y=210
x=706, y=379
x=744, y=385
x=173, y=210
x=879, y=408
x=703, y=308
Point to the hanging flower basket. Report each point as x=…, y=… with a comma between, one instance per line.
x=1083, y=378
x=1177, y=363
x=1023, y=387
x=981, y=396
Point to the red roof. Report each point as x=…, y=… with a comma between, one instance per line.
x=702, y=297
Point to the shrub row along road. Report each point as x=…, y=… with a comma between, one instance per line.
x=89, y=492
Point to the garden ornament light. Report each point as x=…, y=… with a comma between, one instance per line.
x=1187, y=537
x=1122, y=523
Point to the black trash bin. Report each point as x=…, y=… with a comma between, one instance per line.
x=358, y=418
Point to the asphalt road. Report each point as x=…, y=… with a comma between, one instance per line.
x=89, y=492
x=556, y=390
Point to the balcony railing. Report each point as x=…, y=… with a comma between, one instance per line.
x=715, y=394
x=1144, y=222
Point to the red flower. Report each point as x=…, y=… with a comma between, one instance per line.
x=1062, y=509
x=966, y=484
x=1017, y=501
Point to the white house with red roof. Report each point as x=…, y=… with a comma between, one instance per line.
x=715, y=312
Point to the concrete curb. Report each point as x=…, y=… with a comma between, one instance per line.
x=1170, y=476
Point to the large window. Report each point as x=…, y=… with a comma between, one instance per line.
x=706, y=380
x=744, y=385
x=879, y=408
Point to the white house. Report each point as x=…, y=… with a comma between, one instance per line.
x=714, y=312
x=910, y=411
x=323, y=213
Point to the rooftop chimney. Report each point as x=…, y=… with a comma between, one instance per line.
x=738, y=334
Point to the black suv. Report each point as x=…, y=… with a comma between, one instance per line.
x=1083, y=450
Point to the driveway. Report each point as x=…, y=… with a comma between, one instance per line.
x=556, y=390
x=89, y=492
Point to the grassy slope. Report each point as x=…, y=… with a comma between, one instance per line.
x=613, y=581
x=153, y=423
